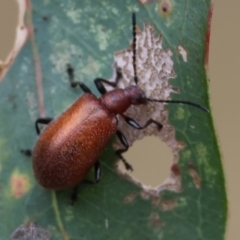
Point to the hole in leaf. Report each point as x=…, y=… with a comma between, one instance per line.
x=151, y=160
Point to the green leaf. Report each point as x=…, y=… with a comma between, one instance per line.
x=86, y=34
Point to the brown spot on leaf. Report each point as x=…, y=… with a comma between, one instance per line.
x=181, y=144
x=168, y=205
x=130, y=198
x=19, y=184
x=155, y=220
x=175, y=169
x=175, y=89
x=156, y=200
x=145, y=195
x=208, y=35
x=193, y=173
x=165, y=7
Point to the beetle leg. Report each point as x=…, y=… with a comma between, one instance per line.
x=123, y=140
x=74, y=195
x=99, y=82
x=119, y=152
x=84, y=87
x=100, y=87
x=42, y=121
x=70, y=72
x=97, y=169
x=97, y=174
x=26, y=152
x=134, y=124
x=74, y=83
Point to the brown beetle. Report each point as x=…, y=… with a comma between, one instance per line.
x=70, y=145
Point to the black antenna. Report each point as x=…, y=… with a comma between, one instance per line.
x=134, y=47
x=179, y=101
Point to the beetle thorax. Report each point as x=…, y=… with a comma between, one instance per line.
x=118, y=101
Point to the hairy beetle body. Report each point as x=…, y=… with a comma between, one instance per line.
x=70, y=145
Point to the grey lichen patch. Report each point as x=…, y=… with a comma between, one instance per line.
x=186, y=154
x=206, y=164
x=25, y=65
x=63, y=51
x=74, y=14
x=180, y=113
x=132, y=8
x=32, y=105
x=102, y=36
x=30, y=231
x=69, y=214
x=183, y=52
x=130, y=198
x=182, y=202
x=92, y=66
x=202, y=152
x=154, y=69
